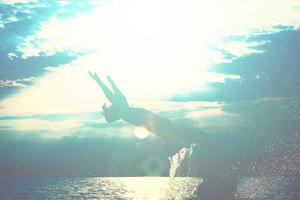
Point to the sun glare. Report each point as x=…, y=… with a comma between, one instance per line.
x=144, y=42
x=143, y=49
x=141, y=132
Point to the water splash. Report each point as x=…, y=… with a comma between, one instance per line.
x=180, y=165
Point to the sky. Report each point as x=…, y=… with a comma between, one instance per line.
x=227, y=67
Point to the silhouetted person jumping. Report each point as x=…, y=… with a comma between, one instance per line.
x=217, y=184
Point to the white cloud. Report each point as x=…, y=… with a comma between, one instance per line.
x=11, y=83
x=136, y=26
x=39, y=125
x=6, y=20
x=212, y=118
x=18, y=10
x=11, y=56
x=17, y=1
x=22, y=82
x=208, y=116
x=47, y=129
x=238, y=48
x=12, y=19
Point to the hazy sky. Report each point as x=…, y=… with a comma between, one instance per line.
x=224, y=66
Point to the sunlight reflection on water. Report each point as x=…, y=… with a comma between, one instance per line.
x=98, y=188
x=135, y=188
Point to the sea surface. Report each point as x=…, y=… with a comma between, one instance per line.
x=96, y=188
x=138, y=188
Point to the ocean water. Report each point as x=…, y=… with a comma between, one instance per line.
x=96, y=188
x=177, y=186
x=264, y=188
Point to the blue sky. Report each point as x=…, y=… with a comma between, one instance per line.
x=223, y=66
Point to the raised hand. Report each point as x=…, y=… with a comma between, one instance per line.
x=117, y=99
x=120, y=98
x=109, y=95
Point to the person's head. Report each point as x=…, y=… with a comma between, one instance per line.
x=111, y=113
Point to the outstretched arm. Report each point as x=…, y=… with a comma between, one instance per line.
x=109, y=95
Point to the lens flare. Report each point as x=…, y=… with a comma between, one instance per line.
x=141, y=132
